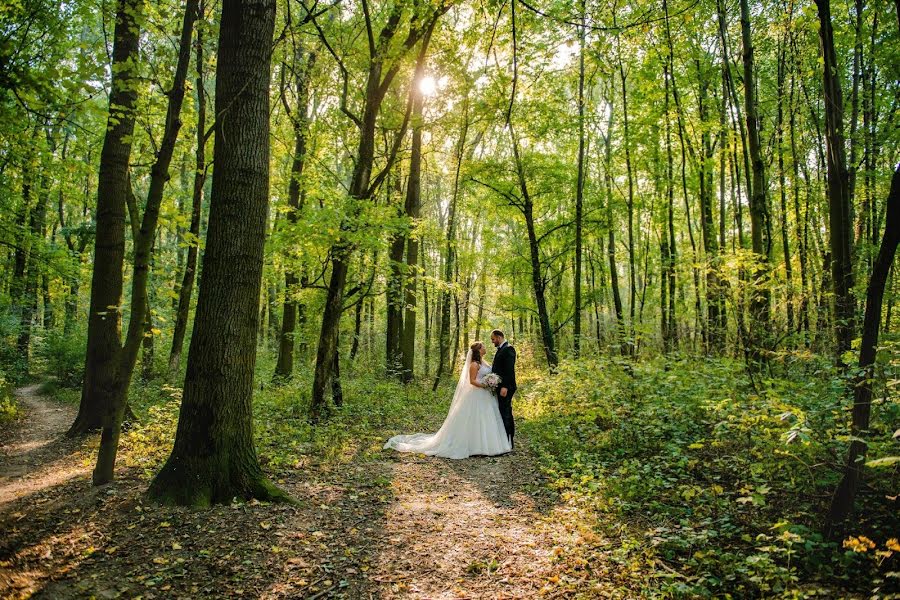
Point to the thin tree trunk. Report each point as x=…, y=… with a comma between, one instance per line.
x=839, y=218
x=104, y=322
x=284, y=367
x=611, y=235
x=413, y=211
x=450, y=250
x=126, y=356
x=845, y=494
x=759, y=213
x=378, y=82
x=579, y=192
x=186, y=289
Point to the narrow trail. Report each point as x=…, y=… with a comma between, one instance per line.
x=483, y=527
x=37, y=454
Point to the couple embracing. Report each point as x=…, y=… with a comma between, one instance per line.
x=480, y=420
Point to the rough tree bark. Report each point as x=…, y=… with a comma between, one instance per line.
x=214, y=459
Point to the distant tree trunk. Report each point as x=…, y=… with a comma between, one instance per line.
x=759, y=212
x=450, y=251
x=378, y=82
x=27, y=267
x=667, y=238
x=799, y=222
x=579, y=192
x=782, y=184
x=284, y=367
x=76, y=250
x=394, y=291
x=214, y=459
x=839, y=220
x=845, y=494
x=413, y=211
x=427, y=310
x=185, y=291
x=632, y=292
x=526, y=205
x=611, y=234
x=105, y=316
x=715, y=306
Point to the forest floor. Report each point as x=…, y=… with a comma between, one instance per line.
x=382, y=525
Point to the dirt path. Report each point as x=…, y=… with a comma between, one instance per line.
x=37, y=455
x=383, y=525
x=476, y=528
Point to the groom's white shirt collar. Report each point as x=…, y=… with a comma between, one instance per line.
x=505, y=343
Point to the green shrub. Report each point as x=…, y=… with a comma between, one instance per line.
x=9, y=408
x=64, y=356
x=723, y=481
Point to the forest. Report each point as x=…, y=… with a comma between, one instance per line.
x=245, y=243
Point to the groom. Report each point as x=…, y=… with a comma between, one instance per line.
x=505, y=366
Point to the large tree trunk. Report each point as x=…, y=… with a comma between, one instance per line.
x=214, y=459
x=105, y=316
x=845, y=494
x=186, y=289
x=839, y=218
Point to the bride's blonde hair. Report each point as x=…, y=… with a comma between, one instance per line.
x=476, y=351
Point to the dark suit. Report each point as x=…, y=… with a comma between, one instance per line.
x=505, y=366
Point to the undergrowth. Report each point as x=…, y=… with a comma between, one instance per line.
x=722, y=487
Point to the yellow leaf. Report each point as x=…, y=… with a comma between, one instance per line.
x=176, y=546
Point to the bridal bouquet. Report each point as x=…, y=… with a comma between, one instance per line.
x=492, y=382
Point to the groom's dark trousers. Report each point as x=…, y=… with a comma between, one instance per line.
x=505, y=405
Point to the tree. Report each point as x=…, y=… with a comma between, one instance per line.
x=214, y=459
x=186, y=288
x=116, y=395
x=839, y=219
x=381, y=71
x=845, y=494
x=105, y=316
x=302, y=69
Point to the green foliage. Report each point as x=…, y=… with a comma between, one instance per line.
x=376, y=408
x=9, y=408
x=64, y=356
x=708, y=472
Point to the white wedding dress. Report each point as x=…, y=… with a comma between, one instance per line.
x=473, y=425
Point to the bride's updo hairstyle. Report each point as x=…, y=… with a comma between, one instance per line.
x=476, y=351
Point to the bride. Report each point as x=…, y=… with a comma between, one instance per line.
x=473, y=425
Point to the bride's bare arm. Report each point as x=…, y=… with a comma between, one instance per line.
x=473, y=375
